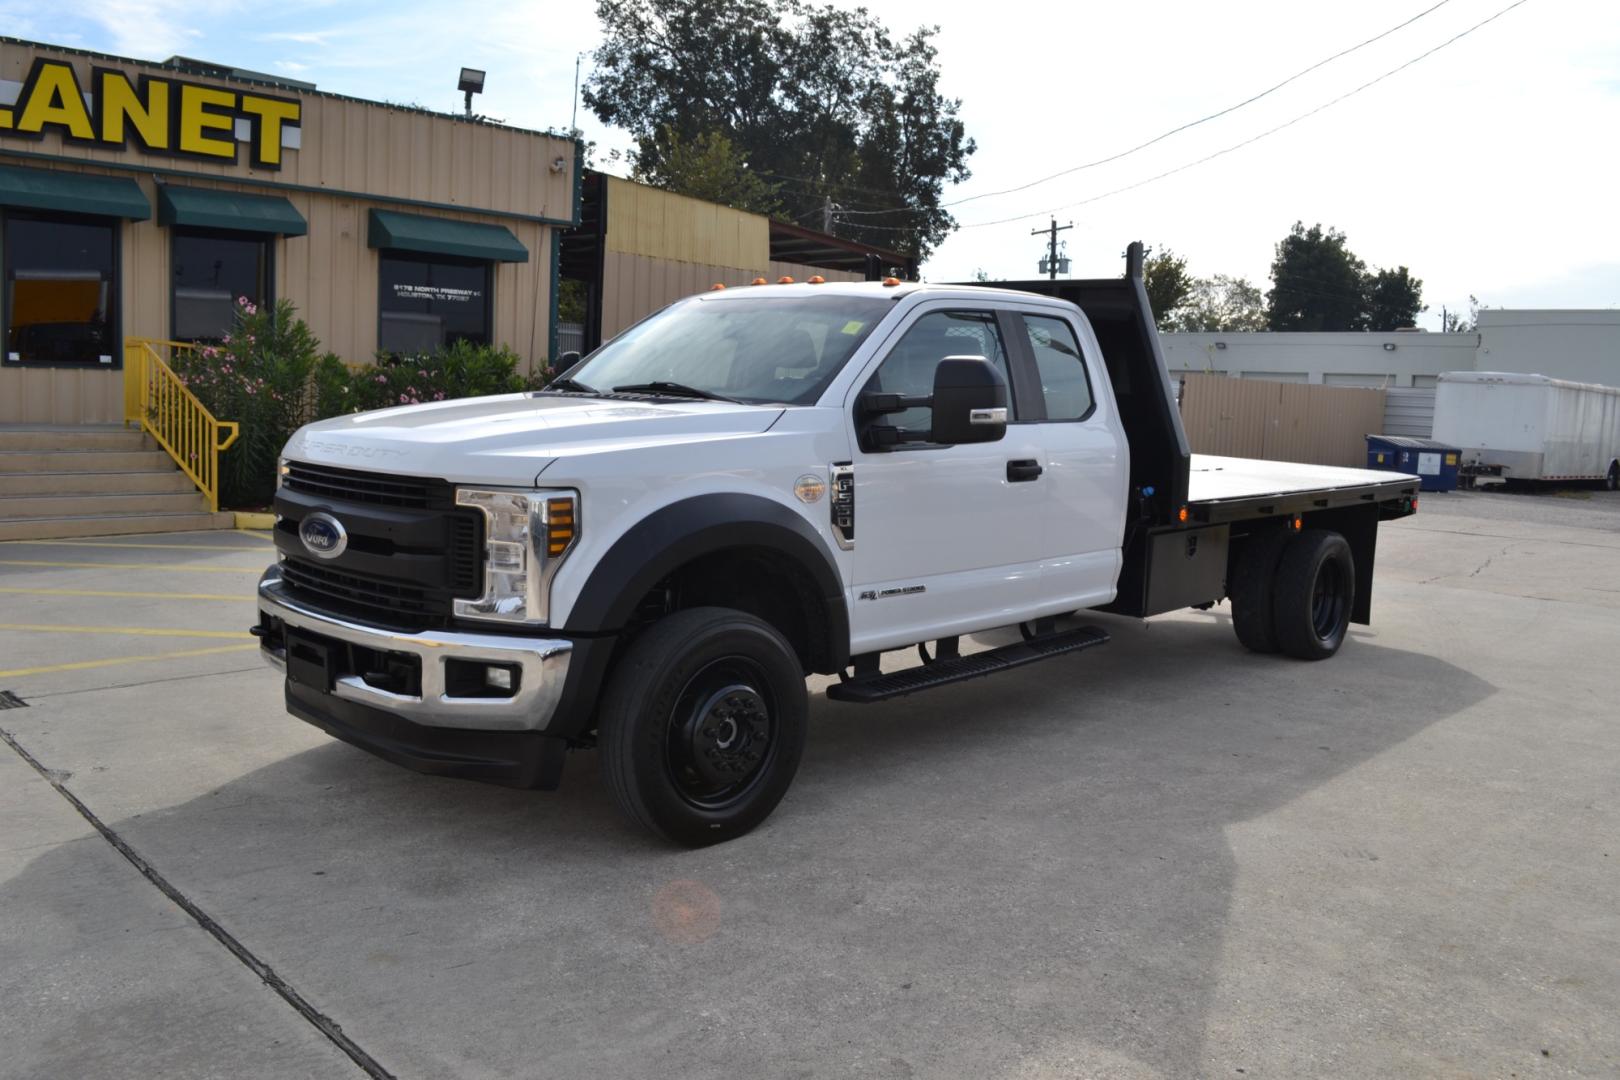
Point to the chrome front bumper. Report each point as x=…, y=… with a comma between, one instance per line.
x=542, y=665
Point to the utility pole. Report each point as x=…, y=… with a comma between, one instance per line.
x=1051, y=248
x=827, y=208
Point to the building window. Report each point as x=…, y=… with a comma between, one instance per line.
x=431, y=300
x=61, y=290
x=211, y=271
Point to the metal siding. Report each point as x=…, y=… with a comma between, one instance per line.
x=338, y=145
x=1409, y=411
x=1318, y=425
x=662, y=225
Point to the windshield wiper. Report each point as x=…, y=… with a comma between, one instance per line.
x=569, y=384
x=673, y=389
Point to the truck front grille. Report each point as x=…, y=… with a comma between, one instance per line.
x=393, y=603
x=351, y=485
x=411, y=551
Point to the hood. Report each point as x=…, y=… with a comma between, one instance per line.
x=510, y=439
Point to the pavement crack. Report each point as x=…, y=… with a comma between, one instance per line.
x=285, y=990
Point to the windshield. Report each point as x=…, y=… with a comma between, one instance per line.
x=780, y=349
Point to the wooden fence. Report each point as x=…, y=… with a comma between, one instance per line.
x=1317, y=425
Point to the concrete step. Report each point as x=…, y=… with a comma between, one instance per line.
x=61, y=528
x=22, y=507
x=27, y=461
x=71, y=438
x=167, y=481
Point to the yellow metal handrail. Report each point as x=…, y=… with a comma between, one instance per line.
x=158, y=400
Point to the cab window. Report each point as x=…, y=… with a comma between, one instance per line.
x=1062, y=369
x=909, y=367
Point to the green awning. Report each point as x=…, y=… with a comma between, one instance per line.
x=441, y=236
x=73, y=193
x=207, y=208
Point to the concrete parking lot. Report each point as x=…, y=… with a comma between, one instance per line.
x=1166, y=858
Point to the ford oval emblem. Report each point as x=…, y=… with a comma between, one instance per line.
x=323, y=535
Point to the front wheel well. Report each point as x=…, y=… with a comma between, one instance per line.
x=761, y=581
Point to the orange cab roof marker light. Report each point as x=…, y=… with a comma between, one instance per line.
x=784, y=280
x=891, y=282
x=816, y=279
x=760, y=281
x=717, y=286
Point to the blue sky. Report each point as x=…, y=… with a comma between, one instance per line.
x=1489, y=168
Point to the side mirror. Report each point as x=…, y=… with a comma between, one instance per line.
x=970, y=401
x=566, y=361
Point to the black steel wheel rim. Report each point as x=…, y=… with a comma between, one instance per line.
x=722, y=733
x=1328, y=600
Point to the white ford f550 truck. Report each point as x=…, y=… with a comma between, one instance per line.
x=756, y=484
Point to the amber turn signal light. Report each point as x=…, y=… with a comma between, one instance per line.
x=559, y=526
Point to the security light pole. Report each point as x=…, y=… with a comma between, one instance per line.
x=472, y=82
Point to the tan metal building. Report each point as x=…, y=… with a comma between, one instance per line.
x=141, y=199
x=638, y=248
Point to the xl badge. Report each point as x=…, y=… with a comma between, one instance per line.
x=323, y=535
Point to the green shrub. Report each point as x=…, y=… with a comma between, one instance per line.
x=269, y=375
x=460, y=370
x=260, y=377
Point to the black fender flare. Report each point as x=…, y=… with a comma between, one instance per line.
x=676, y=534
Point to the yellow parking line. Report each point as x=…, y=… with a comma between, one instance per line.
x=257, y=534
x=143, y=631
x=83, y=664
x=111, y=544
x=238, y=597
x=135, y=566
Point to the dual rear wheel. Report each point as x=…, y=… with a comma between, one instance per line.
x=1293, y=593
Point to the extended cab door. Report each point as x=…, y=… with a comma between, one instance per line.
x=1085, y=453
x=948, y=539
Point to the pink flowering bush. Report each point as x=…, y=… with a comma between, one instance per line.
x=458, y=370
x=269, y=375
x=261, y=375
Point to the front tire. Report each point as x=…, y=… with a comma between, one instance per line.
x=703, y=724
x=1313, y=595
x=1612, y=481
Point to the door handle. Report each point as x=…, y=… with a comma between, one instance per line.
x=1020, y=471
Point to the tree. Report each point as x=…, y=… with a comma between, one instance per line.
x=1220, y=303
x=708, y=167
x=1168, y=285
x=1453, y=322
x=845, y=121
x=1315, y=282
x=1391, y=299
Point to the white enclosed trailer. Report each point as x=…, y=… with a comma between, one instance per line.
x=1530, y=427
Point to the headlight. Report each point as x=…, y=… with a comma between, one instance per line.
x=526, y=535
x=282, y=469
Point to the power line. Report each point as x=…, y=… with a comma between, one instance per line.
x=1236, y=146
x=1176, y=130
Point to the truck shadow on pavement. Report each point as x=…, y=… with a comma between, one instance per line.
x=1020, y=876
